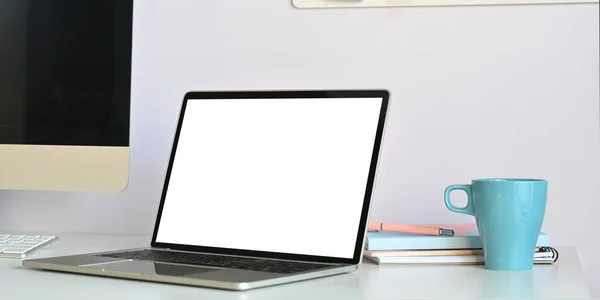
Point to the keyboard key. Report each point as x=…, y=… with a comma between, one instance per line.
x=14, y=251
x=19, y=246
x=27, y=242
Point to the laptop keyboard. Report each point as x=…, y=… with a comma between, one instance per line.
x=220, y=261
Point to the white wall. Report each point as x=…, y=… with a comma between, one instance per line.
x=476, y=91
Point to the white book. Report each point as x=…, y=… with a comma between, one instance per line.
x=548, y=256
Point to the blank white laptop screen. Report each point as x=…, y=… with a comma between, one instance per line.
x=277, y=175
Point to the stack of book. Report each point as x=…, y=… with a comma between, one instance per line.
x=465, y=247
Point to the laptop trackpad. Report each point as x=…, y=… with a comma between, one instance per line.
x=149, y=267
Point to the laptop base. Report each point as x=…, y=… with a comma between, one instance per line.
x=191, y=275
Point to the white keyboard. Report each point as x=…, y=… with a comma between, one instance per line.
x=19, y=246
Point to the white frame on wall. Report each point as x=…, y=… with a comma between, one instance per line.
x=391, y=3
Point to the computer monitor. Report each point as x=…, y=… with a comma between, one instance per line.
x=65, y=76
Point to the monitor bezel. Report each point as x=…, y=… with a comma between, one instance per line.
x=384, y=95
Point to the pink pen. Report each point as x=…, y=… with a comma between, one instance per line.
x=413, y=229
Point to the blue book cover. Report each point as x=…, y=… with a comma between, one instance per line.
x=466, y=236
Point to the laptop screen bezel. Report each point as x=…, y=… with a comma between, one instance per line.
x=200, y=95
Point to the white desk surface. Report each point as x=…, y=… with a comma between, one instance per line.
x=563, y=280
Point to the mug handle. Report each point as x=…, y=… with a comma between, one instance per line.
x=468, y=209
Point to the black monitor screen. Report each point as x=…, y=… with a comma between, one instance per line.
x=65, y=72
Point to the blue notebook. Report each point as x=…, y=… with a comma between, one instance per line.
x=382, y=241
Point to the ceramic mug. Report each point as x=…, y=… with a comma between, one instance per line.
x=509, y=213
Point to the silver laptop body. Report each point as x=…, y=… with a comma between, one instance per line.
x=262, y=188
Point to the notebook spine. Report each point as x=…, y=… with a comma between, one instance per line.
x=550, y=249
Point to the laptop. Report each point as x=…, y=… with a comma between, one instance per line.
x=262, y=188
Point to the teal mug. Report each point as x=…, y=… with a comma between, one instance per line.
x=509, y=213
